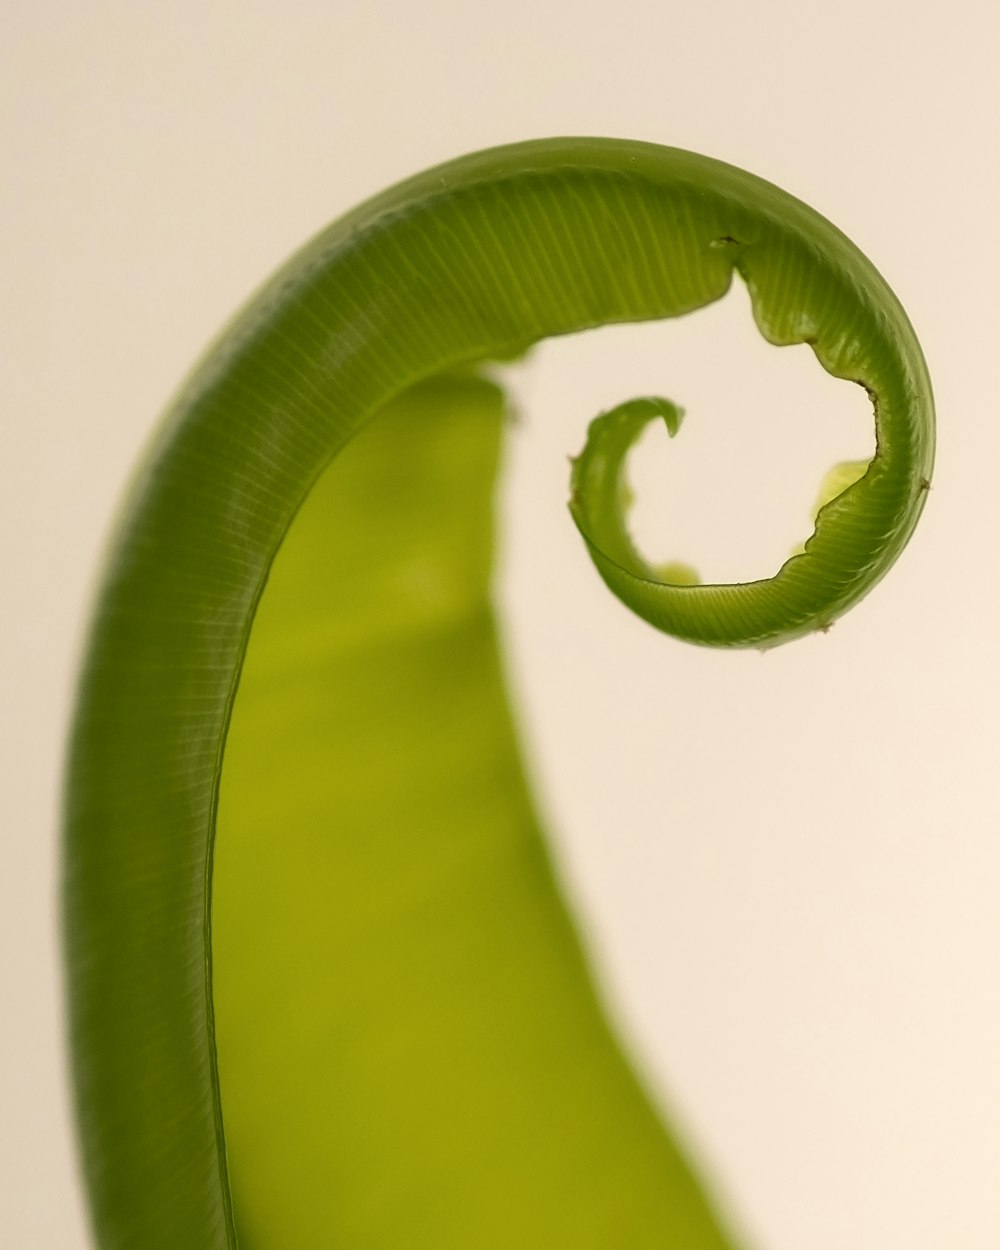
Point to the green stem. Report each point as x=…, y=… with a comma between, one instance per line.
x=470, y=261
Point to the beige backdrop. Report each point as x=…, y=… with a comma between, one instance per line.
x=787, y=866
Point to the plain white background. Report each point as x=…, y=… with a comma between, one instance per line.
x=786, y=866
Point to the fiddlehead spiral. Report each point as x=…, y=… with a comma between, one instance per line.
x=382, y=314
x=866, y=510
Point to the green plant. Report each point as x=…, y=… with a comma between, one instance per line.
x=391, y=997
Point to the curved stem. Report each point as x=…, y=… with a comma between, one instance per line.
x=470, y=261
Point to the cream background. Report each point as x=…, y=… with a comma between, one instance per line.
x=787, y=866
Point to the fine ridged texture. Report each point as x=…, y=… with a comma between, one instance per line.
x=373, y=768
